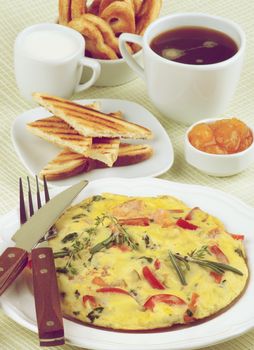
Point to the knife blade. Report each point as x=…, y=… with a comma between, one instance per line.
x=14, y=259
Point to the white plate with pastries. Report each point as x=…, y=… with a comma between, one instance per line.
x=18, y=302
x=35, y=153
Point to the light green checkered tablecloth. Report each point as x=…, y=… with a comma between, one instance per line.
x=18, y=14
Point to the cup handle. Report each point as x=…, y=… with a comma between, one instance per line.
x=95, y=66
x=136, y=39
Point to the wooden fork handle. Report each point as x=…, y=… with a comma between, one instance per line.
x=46, y=294
x=12, y=262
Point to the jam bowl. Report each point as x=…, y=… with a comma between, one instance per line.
x=217, y=164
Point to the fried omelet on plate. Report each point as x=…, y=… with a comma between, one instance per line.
x=136, y=263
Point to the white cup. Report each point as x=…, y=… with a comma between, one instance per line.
x=183, y=92
x=57, y=71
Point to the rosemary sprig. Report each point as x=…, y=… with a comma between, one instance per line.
x=73, y=252
x=200, y=253
x=178, y=268
x=182, y=259
x=61, y=254
x=70, y=237
x=121, y=235
x=220, y=267
x=213, y=265
x=76, y=247
x=124, y=232
x=104, y=244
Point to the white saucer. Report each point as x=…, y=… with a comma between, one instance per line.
x=35, y=153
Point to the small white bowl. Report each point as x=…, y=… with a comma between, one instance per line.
x=114, y=72
x=217, y=164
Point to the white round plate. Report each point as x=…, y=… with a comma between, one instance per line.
x=18, y=303
x=35, y=152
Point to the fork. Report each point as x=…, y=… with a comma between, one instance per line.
x=46, y=294
x=23, y=218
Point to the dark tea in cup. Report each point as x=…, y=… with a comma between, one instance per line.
x=204, y=57
x=194, y=45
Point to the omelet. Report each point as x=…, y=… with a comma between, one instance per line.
x=143, y=263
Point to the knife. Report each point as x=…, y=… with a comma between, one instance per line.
x=47, y=298
x=14, y=259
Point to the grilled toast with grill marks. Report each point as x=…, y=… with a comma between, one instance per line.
x=68, y=163
x=104, y=149
x=89, y=122
x=57, y=131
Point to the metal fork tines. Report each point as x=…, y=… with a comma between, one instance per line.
x=23, y=215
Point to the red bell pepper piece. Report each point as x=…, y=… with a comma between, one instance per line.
x=112, y=290
x=186, y=225
x=216, y=276
x=90, y=299
x=157, y=264
x=193, y=303
x=221, y=257
x=163, y=298
x=135, y=221
x=192, y=306
x=237, y=237
x=152, y=279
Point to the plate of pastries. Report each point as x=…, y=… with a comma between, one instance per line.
x=102, y=21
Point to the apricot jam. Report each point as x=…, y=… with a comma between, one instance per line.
x=226, y=136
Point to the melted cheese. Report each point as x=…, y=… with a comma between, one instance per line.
x=80, y=272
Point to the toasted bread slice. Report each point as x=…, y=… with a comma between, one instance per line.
x=131, y=154
x=68, y=163
x=104, y=149
x=55, y=130
x=89, y=122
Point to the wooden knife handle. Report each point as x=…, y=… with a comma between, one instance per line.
x=12, y=262
x=46, y=294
